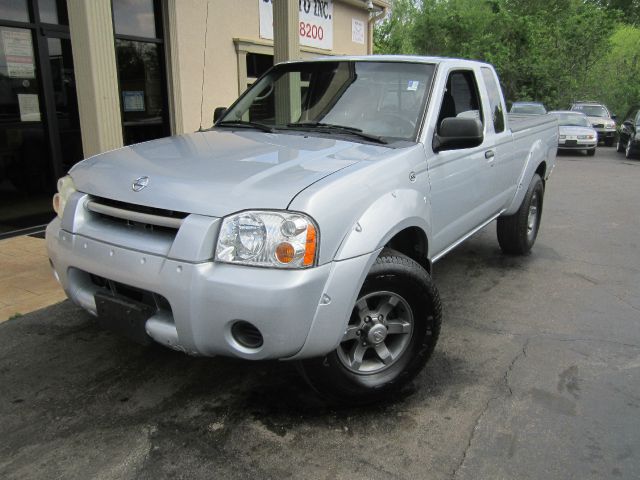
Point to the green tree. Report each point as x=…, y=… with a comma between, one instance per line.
x=393, y=34
x=616, y=76
x=542, y=49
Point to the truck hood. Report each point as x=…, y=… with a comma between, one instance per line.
x=217, y=173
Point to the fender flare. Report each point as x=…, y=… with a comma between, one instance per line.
x=383, y=219
x=536, y=156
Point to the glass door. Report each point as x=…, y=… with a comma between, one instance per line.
x=39, y=123
x=26, y=174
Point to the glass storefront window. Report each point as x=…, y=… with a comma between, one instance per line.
x=15, y=10
x=135, y=18
x=53, y=11
x=141, y=72
x=140, y=80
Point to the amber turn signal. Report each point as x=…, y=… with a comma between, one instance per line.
x=310, y=247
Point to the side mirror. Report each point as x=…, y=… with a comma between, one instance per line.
x=218, y=113
x=613, y=116
x=458, y=133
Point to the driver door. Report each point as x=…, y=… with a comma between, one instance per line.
x=462, y=180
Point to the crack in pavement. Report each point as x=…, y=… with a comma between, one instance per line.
x=505, y=378
x=505, y=381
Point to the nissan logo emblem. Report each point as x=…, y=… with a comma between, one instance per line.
x=140, y=183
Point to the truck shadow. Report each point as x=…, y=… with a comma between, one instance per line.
x=58, y=363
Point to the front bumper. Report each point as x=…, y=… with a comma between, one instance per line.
x=300, y=313
x=605, y=133
x=577, y=144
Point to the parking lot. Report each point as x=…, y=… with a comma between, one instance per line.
x=536, y=375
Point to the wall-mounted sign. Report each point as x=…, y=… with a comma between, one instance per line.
x=357, y=31
x=315, y=27
x=133, y=101
x=18, y=53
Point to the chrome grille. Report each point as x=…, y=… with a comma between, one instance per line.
x=133, y=214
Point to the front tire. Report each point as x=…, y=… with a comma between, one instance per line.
x=619, y=146
x=517, y=233
x=392, y=331
x=628, y=153
x=608, y=142
x=591, y=152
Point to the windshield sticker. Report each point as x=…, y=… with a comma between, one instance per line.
x=412, y=86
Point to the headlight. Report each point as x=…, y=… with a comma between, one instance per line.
x=65, y=189
x=562, y=137
x=268, y=239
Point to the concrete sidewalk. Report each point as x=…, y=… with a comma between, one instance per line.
x=26, y=280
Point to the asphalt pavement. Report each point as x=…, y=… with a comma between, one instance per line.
x=536, y=375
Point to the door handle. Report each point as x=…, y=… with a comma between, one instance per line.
x=489, y=154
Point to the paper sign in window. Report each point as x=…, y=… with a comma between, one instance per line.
x=29, y=107
x=18, y=52
x=133, y=101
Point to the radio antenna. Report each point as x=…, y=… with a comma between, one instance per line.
x=204, y=65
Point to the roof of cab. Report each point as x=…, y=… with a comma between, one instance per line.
x=391, y=58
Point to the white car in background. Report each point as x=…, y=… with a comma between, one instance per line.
x=576, y=132
x=600, y=118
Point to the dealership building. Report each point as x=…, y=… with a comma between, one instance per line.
x=80, y=77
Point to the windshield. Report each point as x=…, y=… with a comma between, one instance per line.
x=572, y=120
x=529, y=109
x=592, y=110
x=381, y=99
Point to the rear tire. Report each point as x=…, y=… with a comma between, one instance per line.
x=517, y=233
x=391, y=334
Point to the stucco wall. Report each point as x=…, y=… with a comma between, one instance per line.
x=219, y=60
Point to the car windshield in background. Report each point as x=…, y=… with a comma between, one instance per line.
x=377, y=101
x=528, y=109
x=572, y=120
x=592, y=110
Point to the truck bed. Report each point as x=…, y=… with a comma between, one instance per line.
x=519, y=122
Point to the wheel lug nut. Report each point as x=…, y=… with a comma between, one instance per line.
x=359, y=332
x=380, y=318
x=367, y=319
x=364, y=344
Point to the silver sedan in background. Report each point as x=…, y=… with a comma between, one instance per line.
x=576, y=132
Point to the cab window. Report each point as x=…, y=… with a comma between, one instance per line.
x=461, y=98
x=495, y=99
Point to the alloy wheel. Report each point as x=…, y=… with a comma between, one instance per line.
x=532, y=219
x=378, y=333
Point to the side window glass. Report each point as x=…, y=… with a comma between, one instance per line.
x=494, y=99
x=461, y=97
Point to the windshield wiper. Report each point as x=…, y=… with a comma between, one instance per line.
x=330, y=127
x=245, y=124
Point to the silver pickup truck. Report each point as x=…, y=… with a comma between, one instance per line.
x=304, y=225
